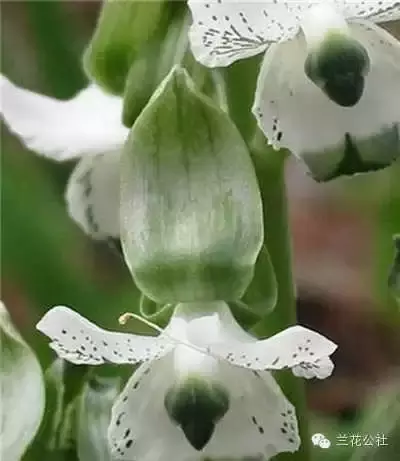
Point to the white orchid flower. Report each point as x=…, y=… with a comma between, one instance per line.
x=87, y=127
x=203, y=390
x=329, y=85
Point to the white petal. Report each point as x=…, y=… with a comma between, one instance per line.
x=79, y=341
x=93, y=195
x=88, y=124
x=260, y=420
x=224, y=31
x=294, y=346
x=294, y=113
x=375, y=10
x=140, y=427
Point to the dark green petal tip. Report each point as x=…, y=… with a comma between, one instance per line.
x=339, y=67
x=196, y=406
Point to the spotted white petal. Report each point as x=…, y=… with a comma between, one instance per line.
x=93, y=195
x=88, y=124
x=290, y=348
x=224, y=31
x=375, y=10
x=259, y=422
x=140, y=427
x=294, y=113
x=79, y=341
x=259, y=416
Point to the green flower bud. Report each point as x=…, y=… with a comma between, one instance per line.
x=124, y=28
x=151, y=67
x=191, y=212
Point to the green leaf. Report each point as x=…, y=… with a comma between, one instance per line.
x=191, y=212
x=22, y=391
x=94, y=415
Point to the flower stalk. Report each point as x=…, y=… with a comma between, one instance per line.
x=270, y=170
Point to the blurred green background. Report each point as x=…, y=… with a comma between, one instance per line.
x=341, y=231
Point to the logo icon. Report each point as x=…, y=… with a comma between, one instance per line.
x=320, y=440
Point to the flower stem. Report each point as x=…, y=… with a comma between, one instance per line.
x=270, y=168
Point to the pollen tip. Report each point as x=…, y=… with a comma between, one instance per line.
x=123, y=319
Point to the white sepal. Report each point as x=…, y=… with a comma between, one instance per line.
x=296, y=346
x=374, y=10
x=79, y=341
x=88, y=124
x=225, y=31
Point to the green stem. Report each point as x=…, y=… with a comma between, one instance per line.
x=270, y=168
